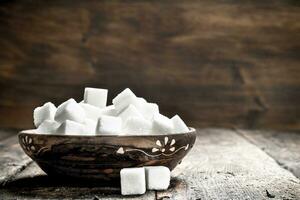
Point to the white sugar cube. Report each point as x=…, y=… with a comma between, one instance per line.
x=179, y=125
x=162, y=124
x=133, y=181
x=145, y=108
x=91, y=112
x=95, y=96
x=130, y=111
x=90, y=126
x=47, y=126
x=135, y=125
x=157, y=177
x=63, y=104
x=70, y=110
x=109, y=110
x=149, y=110
x=42, y=113
x=109, y=125
x=141, y=99
x=123, y=99
x=71, y=100
x=69, y=127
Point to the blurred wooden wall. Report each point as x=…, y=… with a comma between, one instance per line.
x=216, y=63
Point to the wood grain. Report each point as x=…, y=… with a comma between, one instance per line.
x=282, y=146
x=13, y=159
x=216, y=63
x=223, y=165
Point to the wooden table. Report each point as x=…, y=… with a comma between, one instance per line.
x=224, y=164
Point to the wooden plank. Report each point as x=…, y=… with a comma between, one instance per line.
x=284, y=147
x=223, y=165
x=208, y=55
x=13, y=159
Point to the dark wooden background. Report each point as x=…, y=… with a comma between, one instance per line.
x=216, y=63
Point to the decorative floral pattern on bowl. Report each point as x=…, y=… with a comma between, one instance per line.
x=27, y=143
x=165, y=148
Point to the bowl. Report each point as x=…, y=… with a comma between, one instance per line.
x=103, y=156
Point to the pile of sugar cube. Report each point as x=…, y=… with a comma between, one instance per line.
x=135, y=181
x=128, y=114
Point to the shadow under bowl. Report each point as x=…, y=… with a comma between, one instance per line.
x=103, y=156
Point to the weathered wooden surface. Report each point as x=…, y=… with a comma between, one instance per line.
x=222, y=165
x=13, y=159
x=283, y=146
x=236, y=63
x=226, y=166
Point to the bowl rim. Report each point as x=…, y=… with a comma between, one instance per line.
x=31, y=132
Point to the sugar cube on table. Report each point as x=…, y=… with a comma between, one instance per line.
x=95, y=96
x=42, y=113
x=157, y=177
x=123, y=99
x=69, y=127
x=91, y=112
x=70, y=110
x=133, y=181
x=161, y=124
x=90, y=126
x=109, y=110
x=179, y=125
x=109, y=125
x=136, y=125
x=47, y=126
x=130, y=111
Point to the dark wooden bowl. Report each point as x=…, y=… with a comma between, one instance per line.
x=103, y=156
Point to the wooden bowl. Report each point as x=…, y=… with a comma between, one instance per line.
x=103, y=156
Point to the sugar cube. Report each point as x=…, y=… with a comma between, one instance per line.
x=95, y=96
x=42, y=113
x=63, y=104
x=149, y=110
x=109, y=110
x=71, y=128
x=157, y=177
x=179, y=125
x=128, y=114
x=136, y=125
x=130, y=111
x=162, y=124
x=109, y=125
x=90, y=126
x=47, y=126
x=145, y=108
x=91, y=112
x=123, y=99
x=141, y=99
x=70, y=110
x=133, y=181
